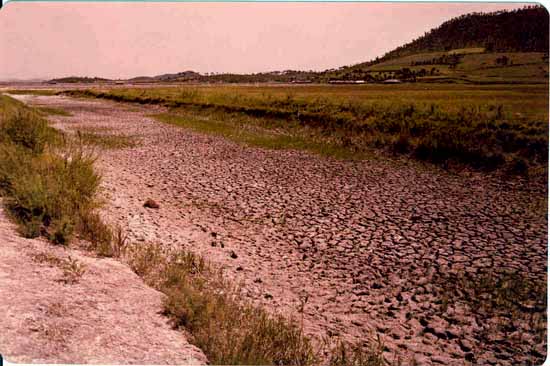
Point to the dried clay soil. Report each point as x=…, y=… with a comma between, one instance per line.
x=367, y=242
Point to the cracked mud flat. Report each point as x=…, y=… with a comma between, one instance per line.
x=368, y=243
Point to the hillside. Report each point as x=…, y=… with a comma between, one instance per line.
x=482, y=48
x=521, y=30
x=473, y=48
x=79, y=79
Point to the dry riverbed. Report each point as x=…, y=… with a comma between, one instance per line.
x=366, y=248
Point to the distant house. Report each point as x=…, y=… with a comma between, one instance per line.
x=392, y=81
x=334, y=81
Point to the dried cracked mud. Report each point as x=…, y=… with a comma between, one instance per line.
x=372, y=245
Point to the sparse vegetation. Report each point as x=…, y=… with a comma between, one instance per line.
x=503, y=300
x=106, y=141
x=230, y=330
x=43, y=92
x=51, y=111
x=72, y=269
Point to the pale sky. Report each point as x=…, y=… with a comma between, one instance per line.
x=122, y=40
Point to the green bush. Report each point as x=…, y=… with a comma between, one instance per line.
x=26, y=129
x=49, y=187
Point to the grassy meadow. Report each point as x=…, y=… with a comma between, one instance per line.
x=484, y=127
x=474, y=66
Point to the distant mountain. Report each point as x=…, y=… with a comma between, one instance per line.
x=180, y=76
x=15, y=80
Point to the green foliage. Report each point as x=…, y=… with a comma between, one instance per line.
x=49, y=186
x=441, y=125
x=26, y=129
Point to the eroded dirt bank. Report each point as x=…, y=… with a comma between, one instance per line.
x=367, y=243
x=61, y=305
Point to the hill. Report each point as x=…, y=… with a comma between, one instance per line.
x=79, y=79
x=521, y=30
x=482, y=48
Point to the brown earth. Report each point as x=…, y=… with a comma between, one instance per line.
x=369, y=243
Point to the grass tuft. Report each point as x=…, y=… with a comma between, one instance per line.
x=106, y=141
x=49, y=184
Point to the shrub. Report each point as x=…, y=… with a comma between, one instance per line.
x=26, y=129
x=96, y=232
x=50, y=190
x=49, y=187
x=401, y=144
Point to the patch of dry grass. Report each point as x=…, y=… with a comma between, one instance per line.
x=227, y=328
x=72, y=269
x=52, y=111
x=106, y=141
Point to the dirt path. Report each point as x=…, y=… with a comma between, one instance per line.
x=364, y=241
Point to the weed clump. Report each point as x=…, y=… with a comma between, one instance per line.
x=228, y=329
x=48, y=184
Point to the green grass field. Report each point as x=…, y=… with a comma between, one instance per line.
x=475, y=66
x=485, y=127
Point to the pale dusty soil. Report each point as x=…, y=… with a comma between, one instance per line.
x=108, y=315
x=365, y=241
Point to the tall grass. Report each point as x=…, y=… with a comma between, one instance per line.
x=230, y=330
x=48, y=184
x=484, y=136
